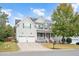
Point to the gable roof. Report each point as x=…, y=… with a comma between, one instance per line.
x=17, y=21
x=35, y=20
x=40, y=20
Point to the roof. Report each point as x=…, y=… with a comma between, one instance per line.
x=17, y=21
x=35, y=20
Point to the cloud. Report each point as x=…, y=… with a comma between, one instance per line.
x=31, y=8
x=7, y=11
x=75, y=6
x=19, y=16
x=39, y=12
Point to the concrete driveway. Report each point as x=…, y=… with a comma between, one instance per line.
x=32, y=47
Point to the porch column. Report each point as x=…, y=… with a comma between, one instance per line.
x=45, y=35
x=50, y=35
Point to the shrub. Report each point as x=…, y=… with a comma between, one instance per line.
x=77, y=43
x=6, y=32
x=68, y=40
x=1, y=40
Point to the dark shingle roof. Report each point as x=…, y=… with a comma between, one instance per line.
x=17, y=21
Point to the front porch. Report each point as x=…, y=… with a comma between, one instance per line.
x=44, y=37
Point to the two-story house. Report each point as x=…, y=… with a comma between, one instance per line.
x=33, y=30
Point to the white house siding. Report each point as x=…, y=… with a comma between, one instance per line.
x=74, y=39
x=30, y=35
x=57, y=38
x=26, y=34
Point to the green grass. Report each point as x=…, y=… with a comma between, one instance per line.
x=8, y=46
x=61, y=46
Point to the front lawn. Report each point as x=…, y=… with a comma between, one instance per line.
x=61, y=46
x=8, y=46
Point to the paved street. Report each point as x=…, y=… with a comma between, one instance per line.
x=43, y=53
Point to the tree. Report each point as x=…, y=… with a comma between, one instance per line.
x=9, y=32
x=5, y=33
x=2, y=32
x=5, y=30
x=3, y=18
x=65, y=21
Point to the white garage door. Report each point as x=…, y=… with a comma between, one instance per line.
x=26, y=39
x=31, y=39
x=21, y=39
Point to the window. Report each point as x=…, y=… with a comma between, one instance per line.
x=30, y=26
x=17, y=25
x=40, y=34
x=36, y=25
x=27, y=25
x=23, y=25
x=46, y=26
x=41, y=26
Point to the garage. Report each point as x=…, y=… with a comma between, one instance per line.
x=26, y=39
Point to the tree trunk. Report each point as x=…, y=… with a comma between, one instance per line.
x=54, y=44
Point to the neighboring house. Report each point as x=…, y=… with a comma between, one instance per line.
x=33, y=30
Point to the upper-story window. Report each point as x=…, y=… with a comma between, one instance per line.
x=23, y=25
x=27, y=25
x=36, y=25
x=46, y=26
x=39, y=26
x=17, y=25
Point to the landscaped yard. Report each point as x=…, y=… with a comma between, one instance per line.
x=61, y=46
x=8, y=46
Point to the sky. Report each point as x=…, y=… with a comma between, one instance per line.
x=20, y=10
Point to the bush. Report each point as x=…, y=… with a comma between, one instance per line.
x=68, y=40
x=77, y=43
x=6, y=32
x=1, y=40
